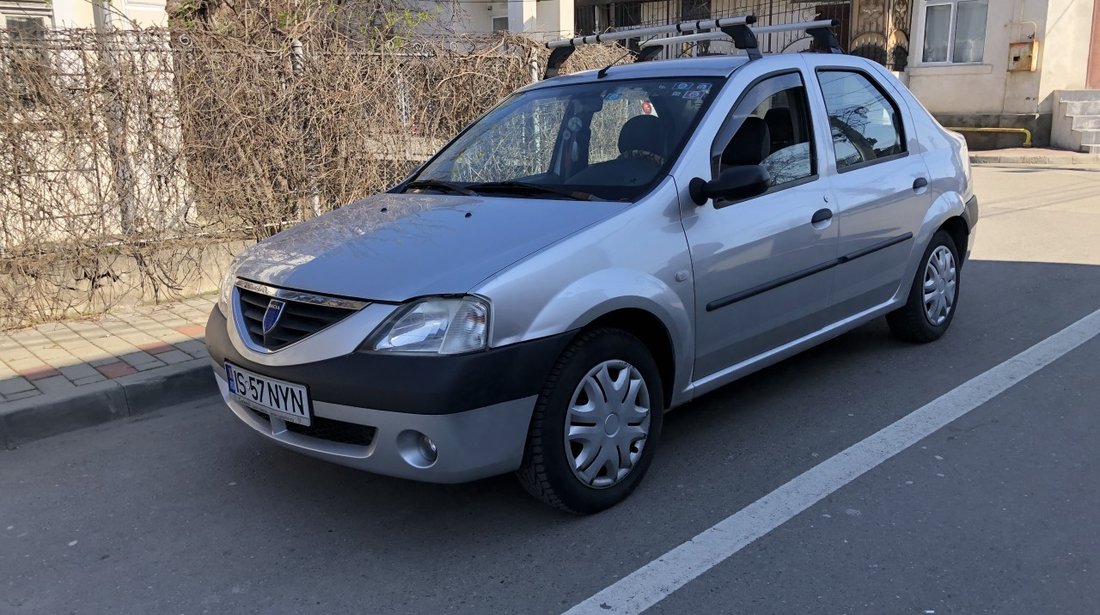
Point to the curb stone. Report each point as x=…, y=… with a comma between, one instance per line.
x=1036, y=159
x=134, y=395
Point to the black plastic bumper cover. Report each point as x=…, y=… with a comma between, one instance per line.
x=429, y=384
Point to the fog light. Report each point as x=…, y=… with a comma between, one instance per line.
x=417, y=449
x=427, y=448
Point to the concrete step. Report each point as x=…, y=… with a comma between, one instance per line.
x=1081, y=107
x=1090, y=149
x=1090, y=137
x=1079, y=95
x=1085, y=122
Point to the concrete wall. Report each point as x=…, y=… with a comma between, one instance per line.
x=1065, y=63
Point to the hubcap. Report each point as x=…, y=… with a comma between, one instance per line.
x=608, y=424
x=939, y=285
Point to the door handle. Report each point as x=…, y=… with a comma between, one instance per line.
x=920, y=182
x=821, y=215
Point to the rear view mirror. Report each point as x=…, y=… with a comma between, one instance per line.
x=740, y=182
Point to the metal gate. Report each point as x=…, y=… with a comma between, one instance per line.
x=874, y=29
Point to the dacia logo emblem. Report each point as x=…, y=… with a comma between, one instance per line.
x=271, y=316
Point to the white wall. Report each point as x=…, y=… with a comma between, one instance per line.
x=549, y=18
x=1068, y=32
x=1062, y=28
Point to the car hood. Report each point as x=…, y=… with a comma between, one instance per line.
x=392, y=247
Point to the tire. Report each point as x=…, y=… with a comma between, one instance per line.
x=922, y=322
x=577, y=474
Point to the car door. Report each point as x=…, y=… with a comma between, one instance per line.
x=880, y=182
x=762, y=265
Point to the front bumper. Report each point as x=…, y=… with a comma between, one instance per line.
x=472, y=444
x=476, y=408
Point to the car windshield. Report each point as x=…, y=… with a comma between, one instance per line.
x=601, y=140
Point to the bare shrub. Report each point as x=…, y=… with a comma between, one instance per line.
x=133, y=164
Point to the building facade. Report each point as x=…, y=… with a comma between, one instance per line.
x=1012, y=64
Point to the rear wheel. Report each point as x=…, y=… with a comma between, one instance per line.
x=934, y=294
x=596, y=423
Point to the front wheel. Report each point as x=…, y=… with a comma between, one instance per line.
x=596, y=423
x=934, y=295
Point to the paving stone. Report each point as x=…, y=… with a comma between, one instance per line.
x=156, y=347
x=139, y=358
x=115, y=346
x=11, y=386
x=17, y=353
x=89, y=380
x=54, y=384
x=78, y=371
x=194, y=348
x=193, y=330
x=105, y=360
x=37, y=372
x=56, y=357
x=174, y=356
x=22, y=395
x=116, y=370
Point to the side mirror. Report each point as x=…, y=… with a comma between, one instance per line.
x=740, y=182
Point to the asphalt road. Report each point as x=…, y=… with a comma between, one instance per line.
x=185, y=511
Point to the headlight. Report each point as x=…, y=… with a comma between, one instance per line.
x=443, y=326
x=225, y=292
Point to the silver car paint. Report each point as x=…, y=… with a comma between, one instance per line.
x=390, y=247
x=638, y=259
x=573, y=262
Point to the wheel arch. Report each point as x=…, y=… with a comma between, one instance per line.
x=959, y=231
x=648, y=328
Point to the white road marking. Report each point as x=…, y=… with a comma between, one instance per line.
x=653, y=582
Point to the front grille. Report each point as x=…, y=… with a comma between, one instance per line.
x=299, y=319
x=335, y=431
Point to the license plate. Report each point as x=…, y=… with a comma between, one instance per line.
x=284, y=400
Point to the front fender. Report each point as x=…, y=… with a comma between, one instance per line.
x=587, y=299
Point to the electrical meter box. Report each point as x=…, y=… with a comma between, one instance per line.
x=1023, y=56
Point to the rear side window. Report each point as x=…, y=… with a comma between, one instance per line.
x=864, y=122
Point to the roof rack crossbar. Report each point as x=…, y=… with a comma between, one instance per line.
x=652, y=47
x=561, y=49
x=716, y=35
x=683, y=26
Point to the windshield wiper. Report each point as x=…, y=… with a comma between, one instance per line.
x=527, y=188
x=438, y=184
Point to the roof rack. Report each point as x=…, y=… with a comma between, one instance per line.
x=735, y=28
x=561, y=49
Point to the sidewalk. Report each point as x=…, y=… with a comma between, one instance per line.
x=65, y=375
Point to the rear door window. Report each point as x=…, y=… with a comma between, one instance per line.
x=864, y=122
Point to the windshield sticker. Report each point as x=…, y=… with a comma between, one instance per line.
x=695, y=95
x=613, y=96
x=703, y=86
x=683, y=85
x=678, y=93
